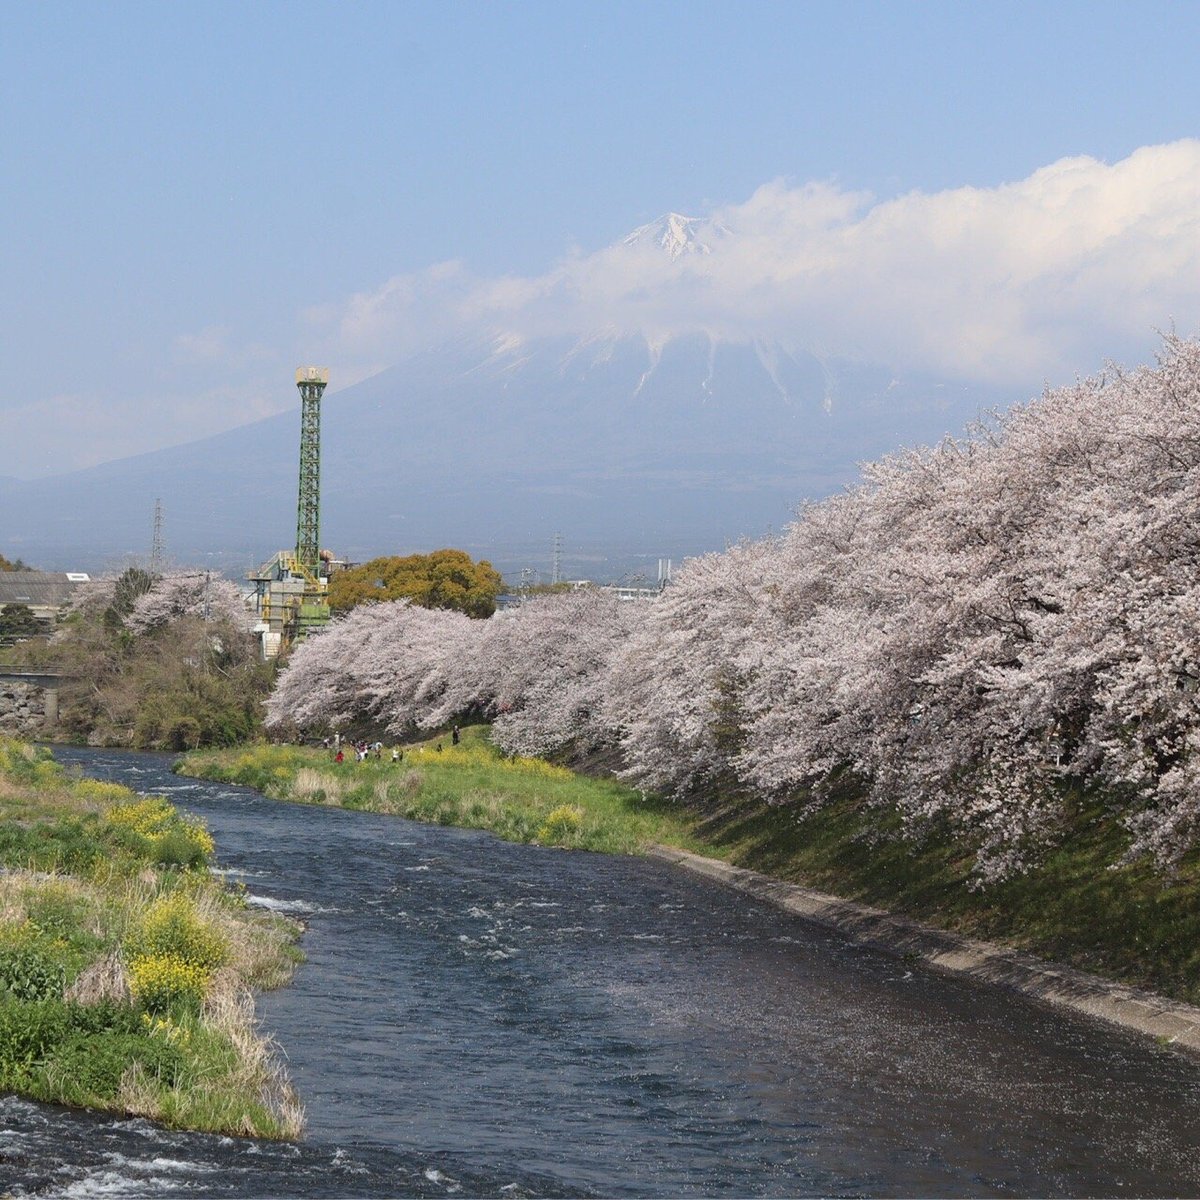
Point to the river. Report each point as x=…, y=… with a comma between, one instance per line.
x=481, y=1018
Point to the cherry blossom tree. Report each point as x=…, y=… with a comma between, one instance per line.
x=188, y=594
x=997, y=619
x=547, y=669
x=383, y=663
x=674, y=690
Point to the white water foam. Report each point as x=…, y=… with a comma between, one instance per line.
x=435, y=1176
x=274, y=904
x=115, y=1183
x=343, y=1160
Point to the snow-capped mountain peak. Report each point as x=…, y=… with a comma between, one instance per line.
x=677, y=235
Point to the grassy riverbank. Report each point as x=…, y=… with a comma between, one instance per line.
x=1128, y=923
x=125, y=965
x=471, y=785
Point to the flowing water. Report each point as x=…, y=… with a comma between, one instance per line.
x=480, y=1018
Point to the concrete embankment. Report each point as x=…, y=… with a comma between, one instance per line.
x=1175, y=1023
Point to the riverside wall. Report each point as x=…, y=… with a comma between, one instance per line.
x=22, y=708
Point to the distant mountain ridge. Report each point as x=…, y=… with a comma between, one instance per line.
x=631, y=450
x=632, y=447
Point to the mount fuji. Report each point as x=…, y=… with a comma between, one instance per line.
x=632, y=447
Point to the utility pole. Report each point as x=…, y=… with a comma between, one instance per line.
x=556, y=575
x=205, y=636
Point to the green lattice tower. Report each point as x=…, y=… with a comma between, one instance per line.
x=311, y=381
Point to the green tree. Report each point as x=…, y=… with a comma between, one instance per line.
x=18, y=565
x=17, y=620
x=132, y=584
x=443, y=579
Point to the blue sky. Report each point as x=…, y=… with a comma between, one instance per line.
x=192, y=193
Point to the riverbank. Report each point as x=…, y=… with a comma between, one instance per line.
x=471, y=785
x=126, y=966
x=1129, y=924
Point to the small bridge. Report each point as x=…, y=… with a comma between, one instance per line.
x=48, y=681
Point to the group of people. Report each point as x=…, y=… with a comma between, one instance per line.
x=365, y=750
x=362, y=750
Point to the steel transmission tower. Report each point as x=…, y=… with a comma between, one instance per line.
x=311, y=381
x=156, y=546
x=556, y=576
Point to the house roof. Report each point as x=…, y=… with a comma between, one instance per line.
x=38, y=589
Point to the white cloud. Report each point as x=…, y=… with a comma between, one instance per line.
x=216, y=345
x=1012, y=284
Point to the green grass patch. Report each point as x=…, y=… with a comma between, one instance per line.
x=124, y=962
x=472, y=785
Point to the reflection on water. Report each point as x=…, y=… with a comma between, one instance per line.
x=482, y=1018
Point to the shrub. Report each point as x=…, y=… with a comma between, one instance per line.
x=188, y=846
x=147, y=817
x=172, y=927
x=184, y=733
x=29, y=1031
x=105, y=1016
x=155, y=830
x=165, y=983
x=30, y=974
x=71, y=844
x=28, y=764
x=561, y=825
x=92, y=1065
x=102, y=792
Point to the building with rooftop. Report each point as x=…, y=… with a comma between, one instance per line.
x=45, y=592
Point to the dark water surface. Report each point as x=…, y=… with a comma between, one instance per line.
x=480, y=1018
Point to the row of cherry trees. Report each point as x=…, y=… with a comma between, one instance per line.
x=973, y=628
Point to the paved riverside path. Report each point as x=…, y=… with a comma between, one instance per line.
x=1175, y=1023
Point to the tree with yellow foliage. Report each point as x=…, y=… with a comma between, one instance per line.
x=443, y=579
